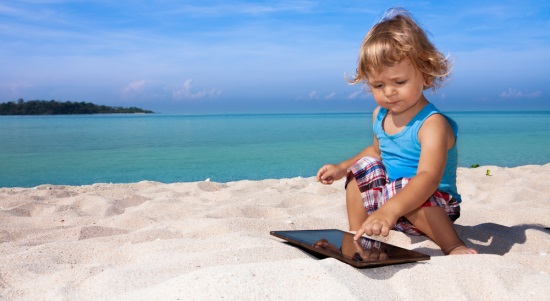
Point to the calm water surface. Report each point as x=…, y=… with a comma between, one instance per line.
x=77, y=150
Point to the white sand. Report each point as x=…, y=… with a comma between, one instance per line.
x=203, y=241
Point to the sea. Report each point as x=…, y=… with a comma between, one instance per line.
x=87, y=149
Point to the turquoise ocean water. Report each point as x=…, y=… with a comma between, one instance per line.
x=86, y=149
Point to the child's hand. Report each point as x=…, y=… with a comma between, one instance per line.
x=330, y=173
x=377, y=223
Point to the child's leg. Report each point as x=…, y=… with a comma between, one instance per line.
x=435, y=223
x=354, y=205
x=362, y=184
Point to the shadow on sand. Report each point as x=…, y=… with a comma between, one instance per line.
x=496, y=239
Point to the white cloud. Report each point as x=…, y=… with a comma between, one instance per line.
x=513, y=93
x=354, y=95
x=151, y=90
x=185, y=92
x=242, y=8
x=14, y=89
x=313, y=95
x=135, y=87
x=330, y=95
x=142, y=90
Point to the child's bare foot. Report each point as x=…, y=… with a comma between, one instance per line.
x=462, y=250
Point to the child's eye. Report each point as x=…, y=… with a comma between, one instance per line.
x=377, y=86
x=402, y=82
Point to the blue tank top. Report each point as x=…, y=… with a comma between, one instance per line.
x=401, y=152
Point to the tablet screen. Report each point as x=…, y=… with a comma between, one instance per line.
x=338, y=244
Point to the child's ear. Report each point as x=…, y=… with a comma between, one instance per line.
x=427, y=81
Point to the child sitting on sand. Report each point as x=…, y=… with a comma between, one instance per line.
x=405, y=180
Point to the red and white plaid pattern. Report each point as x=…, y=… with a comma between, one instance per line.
x=376, y=189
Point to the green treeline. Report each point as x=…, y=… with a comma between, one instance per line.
x=52, y=107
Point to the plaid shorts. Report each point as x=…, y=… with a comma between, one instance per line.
x=376, y=189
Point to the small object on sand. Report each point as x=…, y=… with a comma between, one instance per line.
x=474, y=165
x=488, y=172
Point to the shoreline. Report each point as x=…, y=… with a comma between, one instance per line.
x=459, y=169
x=197, y=240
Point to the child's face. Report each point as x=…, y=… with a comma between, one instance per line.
x=398, y=88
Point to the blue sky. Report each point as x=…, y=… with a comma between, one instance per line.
x=261, y=56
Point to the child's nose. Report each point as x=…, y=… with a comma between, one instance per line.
x=389, y=90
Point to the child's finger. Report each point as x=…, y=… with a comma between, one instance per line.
x=359, y=233
x=376, y=229
x=385, y=230
x=322, y=172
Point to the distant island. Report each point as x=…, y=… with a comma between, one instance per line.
x=53, y=107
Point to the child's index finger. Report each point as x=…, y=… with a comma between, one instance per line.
x=359, y=233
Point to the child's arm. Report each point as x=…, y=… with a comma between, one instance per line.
x=329, y=173
x=436, y=137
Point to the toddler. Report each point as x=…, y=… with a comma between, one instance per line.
x=405, y=180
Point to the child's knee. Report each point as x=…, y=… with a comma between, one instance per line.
x=352, y=190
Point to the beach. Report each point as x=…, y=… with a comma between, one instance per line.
x=209, y=241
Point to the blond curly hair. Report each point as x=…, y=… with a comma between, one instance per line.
x=395, y=38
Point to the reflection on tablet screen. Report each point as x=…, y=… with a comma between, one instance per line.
x=341, y=245
x=364, y=249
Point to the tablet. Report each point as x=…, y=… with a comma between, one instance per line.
x=340, y=245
